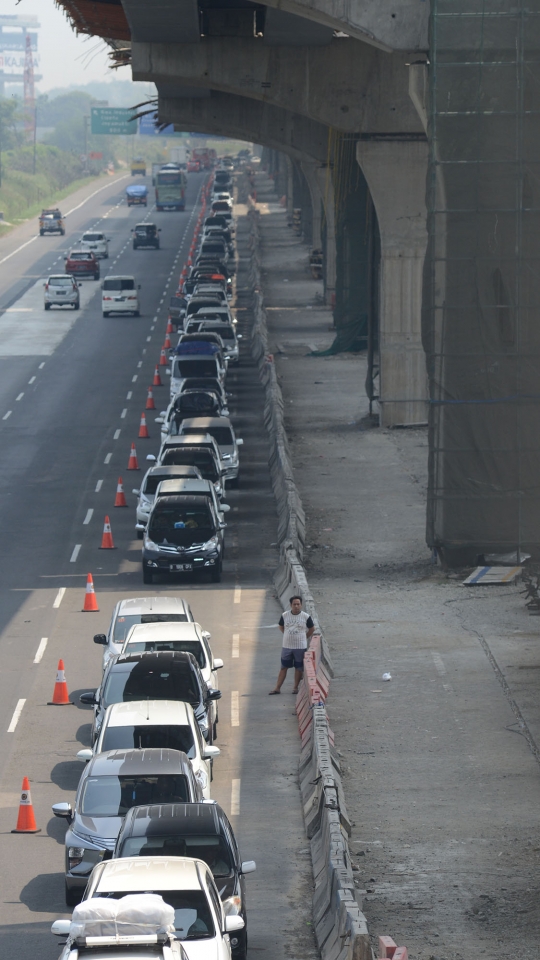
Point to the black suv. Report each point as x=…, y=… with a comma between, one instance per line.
x=154, y=676
x=146, y=235
x=199, y=830
x=183, y=535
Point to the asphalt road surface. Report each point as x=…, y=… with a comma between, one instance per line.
x=72, y=389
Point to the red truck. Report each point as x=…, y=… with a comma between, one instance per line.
x=204, y=156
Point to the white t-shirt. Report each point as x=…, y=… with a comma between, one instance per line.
x=295, y=629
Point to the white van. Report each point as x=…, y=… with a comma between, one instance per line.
x=120, y=295
x=97, y=242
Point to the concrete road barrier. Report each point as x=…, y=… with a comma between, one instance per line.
x=340, y=926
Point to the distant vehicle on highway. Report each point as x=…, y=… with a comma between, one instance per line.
x=61, y=288
x=97, y=243
x=51, y=221
x=82, y=263
x=184, y=534
x=171, y=188
x=147, y=491
x=146, y=235
x=137, y=195
x=120, y=295
x=138, y=167
x=193, y=166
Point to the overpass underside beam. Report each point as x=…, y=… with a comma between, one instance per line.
x=482, y=283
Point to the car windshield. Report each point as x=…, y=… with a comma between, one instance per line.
x=153, y=481
x=223, y=330
x=114, y=796
x=183, y=526
x=60, y=282
x=186, y=646
x=192, y=915
x=123, y=624
x=194, y=368
x=140, y=737
x=202, y=459
x=212, y=849
x=147, y=678
x=92, y=237
x=222, y=435
x=119, y=283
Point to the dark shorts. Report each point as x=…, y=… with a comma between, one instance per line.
x=292, y=658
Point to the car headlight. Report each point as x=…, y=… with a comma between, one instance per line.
x=210, y=544
x=202, y=778
x=75, y=856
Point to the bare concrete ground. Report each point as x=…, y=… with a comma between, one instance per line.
x=440, y=773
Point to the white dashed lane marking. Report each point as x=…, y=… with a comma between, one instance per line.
x=59, y=598
x=75, y=554
x=40, y=650
x=16, y=715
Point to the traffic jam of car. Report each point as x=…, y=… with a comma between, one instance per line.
x=152, y=866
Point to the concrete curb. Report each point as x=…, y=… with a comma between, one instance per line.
x=340, y=926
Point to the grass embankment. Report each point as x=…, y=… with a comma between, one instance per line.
x=24, y=194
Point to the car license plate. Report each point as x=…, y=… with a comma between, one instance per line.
x=179, y=567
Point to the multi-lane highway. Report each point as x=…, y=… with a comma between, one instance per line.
x=72, y=388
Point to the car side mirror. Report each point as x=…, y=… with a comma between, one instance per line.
x=218, y=663
x=224, y=507
x=89, y=698
x=159, y=419
x=150, y=456
x=209, y=752
x=239, y=336
x=248, y=866
x=233, y=923
x=135, y=491
x=61, y=928
x=63, y=810
x=239, y=442
x=213, y=694
x=85, y=755
x=101, y=637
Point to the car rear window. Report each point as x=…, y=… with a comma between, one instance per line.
x=145, y=737
x=60, y=281
x=119, y=283
x=147, y=678
x=212, y=849
x=80, y=256
x=114, y=796
x=123, y=624
x=93, y=237
x=192, y=915
x=223, y=330
x=222, y=435
x=195, y=368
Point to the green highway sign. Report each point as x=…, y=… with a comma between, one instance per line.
x=115, y=121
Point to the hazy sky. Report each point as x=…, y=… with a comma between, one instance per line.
x=65, y=58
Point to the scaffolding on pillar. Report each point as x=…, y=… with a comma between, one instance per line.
x=482, y=279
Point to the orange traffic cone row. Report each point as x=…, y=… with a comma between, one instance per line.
x=26, y=821
x=107, y=542
x=167, y=342
x=60, y=695
x=156, y=382
x=120, y=499
x=150, y=405
x=90, y=602
x=132, y=462
x=143, y=429
x=163, y=358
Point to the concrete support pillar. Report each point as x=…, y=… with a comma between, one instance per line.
x=290, y=188
x=309, y=169
x=396, y=175
x=329, y=233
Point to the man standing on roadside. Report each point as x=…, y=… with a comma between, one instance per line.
x=297, y=627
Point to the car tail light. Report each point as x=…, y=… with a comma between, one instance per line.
x=107, y=298
x=131, y=298
x=46, y=286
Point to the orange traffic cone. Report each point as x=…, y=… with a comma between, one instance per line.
x=169, y=327
x=167, y=342
x=150, y=405
x=107, y=542
x=156, y=382
x=60, y=695
x=120, y=499
x=26, y=821
x=132, y=462
x=90, y=602
x=163, y=358
x=143, y=429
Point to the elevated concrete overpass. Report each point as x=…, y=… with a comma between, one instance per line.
x=429, y=100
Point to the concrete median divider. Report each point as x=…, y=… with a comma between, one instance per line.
x=340, y=926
